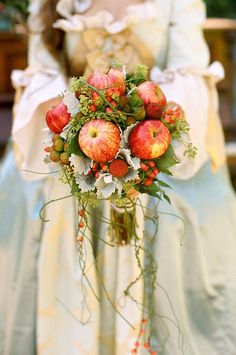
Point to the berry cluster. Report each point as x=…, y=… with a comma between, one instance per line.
x=59, y=150
x=117, y=167
x=81, y=225
x=172, y=113
x=142, y=342
x=149, y=171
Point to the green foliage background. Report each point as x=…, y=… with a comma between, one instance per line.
x=221, y=8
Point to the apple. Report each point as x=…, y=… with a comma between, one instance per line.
x=149, y=139
x=153, y=98
x=118, y=79
x=99, y=140
x=113, y=82
x=173, y=113
x=58, y=117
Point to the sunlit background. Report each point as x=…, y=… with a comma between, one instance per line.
x=219, y=30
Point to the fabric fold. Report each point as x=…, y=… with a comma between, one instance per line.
x=39, y=88
x=194, y=89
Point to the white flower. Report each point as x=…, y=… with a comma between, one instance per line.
x=131, y=175
x=128, y=131
x=81, y=164
x=71, y=102
x=106, y=184
x=85, y=182
x=65, y=131
x=133, y=161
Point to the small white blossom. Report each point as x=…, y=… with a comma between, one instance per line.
x=85, y=182
x=72, y=103
x=128, y=131
x=133, y=161
x=81, y=164
x=106, y=185
x=65, y=131
x=131, y=175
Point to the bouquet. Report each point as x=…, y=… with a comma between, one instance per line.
x=112, y=134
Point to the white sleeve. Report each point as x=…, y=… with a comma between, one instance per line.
x=40, y=84
x=189, y=82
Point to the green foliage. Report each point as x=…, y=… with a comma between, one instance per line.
x=221, y=8
x=74, y=147
x=166, y=161
x=14, y=7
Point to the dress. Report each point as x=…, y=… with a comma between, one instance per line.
x=194, y=302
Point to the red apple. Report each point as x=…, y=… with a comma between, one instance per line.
x=149, y=139
x=153, y=98
x=58, y=117
x=173, y=113
x=99, y=140
x=118, y=80
x=113, y=82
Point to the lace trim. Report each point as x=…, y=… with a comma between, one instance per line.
x=103, y=19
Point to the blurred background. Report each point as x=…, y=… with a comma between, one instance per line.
x=219, y=31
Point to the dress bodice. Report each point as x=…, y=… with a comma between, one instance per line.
x=97, y=41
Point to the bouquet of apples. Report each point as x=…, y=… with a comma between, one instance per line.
x=112, y=135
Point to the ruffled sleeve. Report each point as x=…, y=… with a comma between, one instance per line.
x=37, y=89
x=189, y=82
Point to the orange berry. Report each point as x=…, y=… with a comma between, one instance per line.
x=156, y=171
x=105, y=168
x=81, y=225
x=130, y=120
x=96, y=174
x=94, y=167
x=81, y=213
x=109, y=110
x=47, y=149
x=148, y=182
x=93, y=108
x=151, y=163
x=144, y=167
x=118, y=168
x=80, y=238
x=151, y=174
x=146, y=345
x=137, y=344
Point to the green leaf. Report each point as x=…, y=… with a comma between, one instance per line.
x=166, y=161
x=152, y=190
x=164, y=184
x=74, y=147
x=166, y=197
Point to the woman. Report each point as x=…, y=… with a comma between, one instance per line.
x=194, y=307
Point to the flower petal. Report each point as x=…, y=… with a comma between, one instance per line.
x=81, y=164
x=72, y=103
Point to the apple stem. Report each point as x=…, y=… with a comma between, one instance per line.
x=99, y=93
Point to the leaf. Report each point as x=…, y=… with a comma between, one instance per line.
x=152, y=190
x=164, y=184
x=166, y=161
x=74, y=147
x=166, y=197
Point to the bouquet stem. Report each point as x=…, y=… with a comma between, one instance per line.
x=123, y=225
